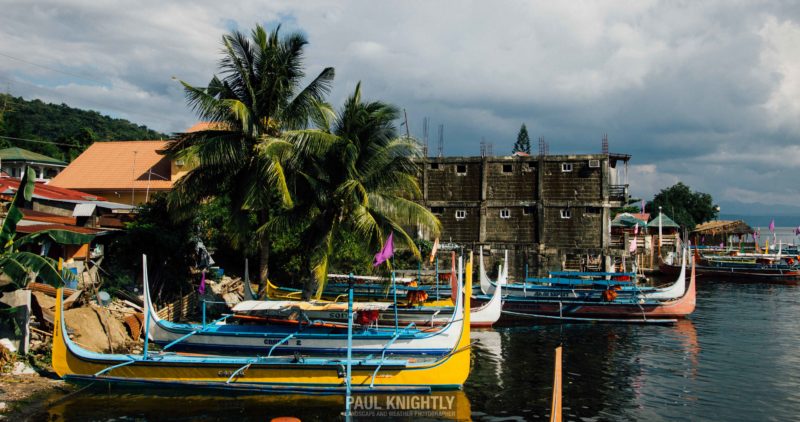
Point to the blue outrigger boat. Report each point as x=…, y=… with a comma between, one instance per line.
x=312, y=337
x=298, y=374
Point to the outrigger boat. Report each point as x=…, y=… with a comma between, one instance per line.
x=307, y=335
x=592, y=287
x=384, y=313
x=274, y=374
x=622, y=309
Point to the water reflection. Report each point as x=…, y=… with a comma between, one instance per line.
x=735, y=359
x=104, y=403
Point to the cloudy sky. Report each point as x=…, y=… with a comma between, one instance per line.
x=707, y=93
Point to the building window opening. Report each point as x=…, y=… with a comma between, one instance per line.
x=505, y=213
x=507, y=168
x=437, y=210
x=566, y=213
x=566, y=167
x=461, y=169
x=434, y=166
x=461, y=214
x=527, y=210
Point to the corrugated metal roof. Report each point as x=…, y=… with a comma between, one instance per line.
x=19, y=154
x=9, y=185
x=84, y=210
x=665, y=221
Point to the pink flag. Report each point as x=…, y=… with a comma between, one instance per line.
x=386, y=252
x=202, y=288
x=772, y=226
x=632, y=248
x=636, y=229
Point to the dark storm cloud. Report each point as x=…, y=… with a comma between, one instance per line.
x=703, y=92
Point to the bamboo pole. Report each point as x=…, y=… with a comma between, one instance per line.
x=555, y=409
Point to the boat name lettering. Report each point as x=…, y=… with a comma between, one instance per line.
x=227, y=374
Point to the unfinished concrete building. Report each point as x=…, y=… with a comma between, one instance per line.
x=549, y=211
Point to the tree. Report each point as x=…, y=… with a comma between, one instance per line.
x=523, y=143
x=357, y=178
x=685, y=207
x=240, y=155
x=168, y=244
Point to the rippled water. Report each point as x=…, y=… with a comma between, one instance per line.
x=738, y=358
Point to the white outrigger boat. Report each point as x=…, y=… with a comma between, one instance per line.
x=578, y=289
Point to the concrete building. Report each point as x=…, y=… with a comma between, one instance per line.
x=550, y=211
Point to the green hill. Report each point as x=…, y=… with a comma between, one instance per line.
x=53, y=124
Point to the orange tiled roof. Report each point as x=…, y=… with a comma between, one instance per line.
x=201, y=126
x=118, y=165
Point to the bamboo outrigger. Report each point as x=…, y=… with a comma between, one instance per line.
x=309, y=335
x=289, y=374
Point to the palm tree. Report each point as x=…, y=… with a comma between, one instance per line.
x=258, y=96
x=353, y=175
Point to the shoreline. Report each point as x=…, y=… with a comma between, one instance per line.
x=25, y=395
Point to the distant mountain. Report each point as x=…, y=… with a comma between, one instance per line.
x=51, y=125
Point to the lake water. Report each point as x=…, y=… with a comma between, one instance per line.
x=736, y=359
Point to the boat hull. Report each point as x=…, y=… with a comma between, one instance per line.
x=300, y=374
x=642, y=309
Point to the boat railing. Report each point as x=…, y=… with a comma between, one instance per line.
x=383, y=353
x=289, y=337
x=197, y=331
x=238, y=371
x=110, y=368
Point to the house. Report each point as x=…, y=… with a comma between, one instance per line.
x=126, y=172
x=14, y=159
x=549, y=211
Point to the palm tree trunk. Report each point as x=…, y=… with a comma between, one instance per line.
x=263, y=253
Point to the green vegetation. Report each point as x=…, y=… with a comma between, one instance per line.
x=168, y=245
x=685, y=207
x=258, y=97
x=523, y=143
x=51, y=125
x=313, y=196
x=353, y=175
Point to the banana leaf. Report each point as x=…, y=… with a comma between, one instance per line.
x=9, y=229
x=62, y=237
x=19, y=265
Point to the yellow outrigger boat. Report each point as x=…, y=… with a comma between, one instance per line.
x=278, y=374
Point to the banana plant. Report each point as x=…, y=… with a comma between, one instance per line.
x=18, y=267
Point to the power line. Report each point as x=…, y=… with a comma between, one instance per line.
x=38, y=141
x=52, y=69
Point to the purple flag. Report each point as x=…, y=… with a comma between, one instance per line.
x=386, y=252
x=797, y=231
x=772, y=226
x=202, y=288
